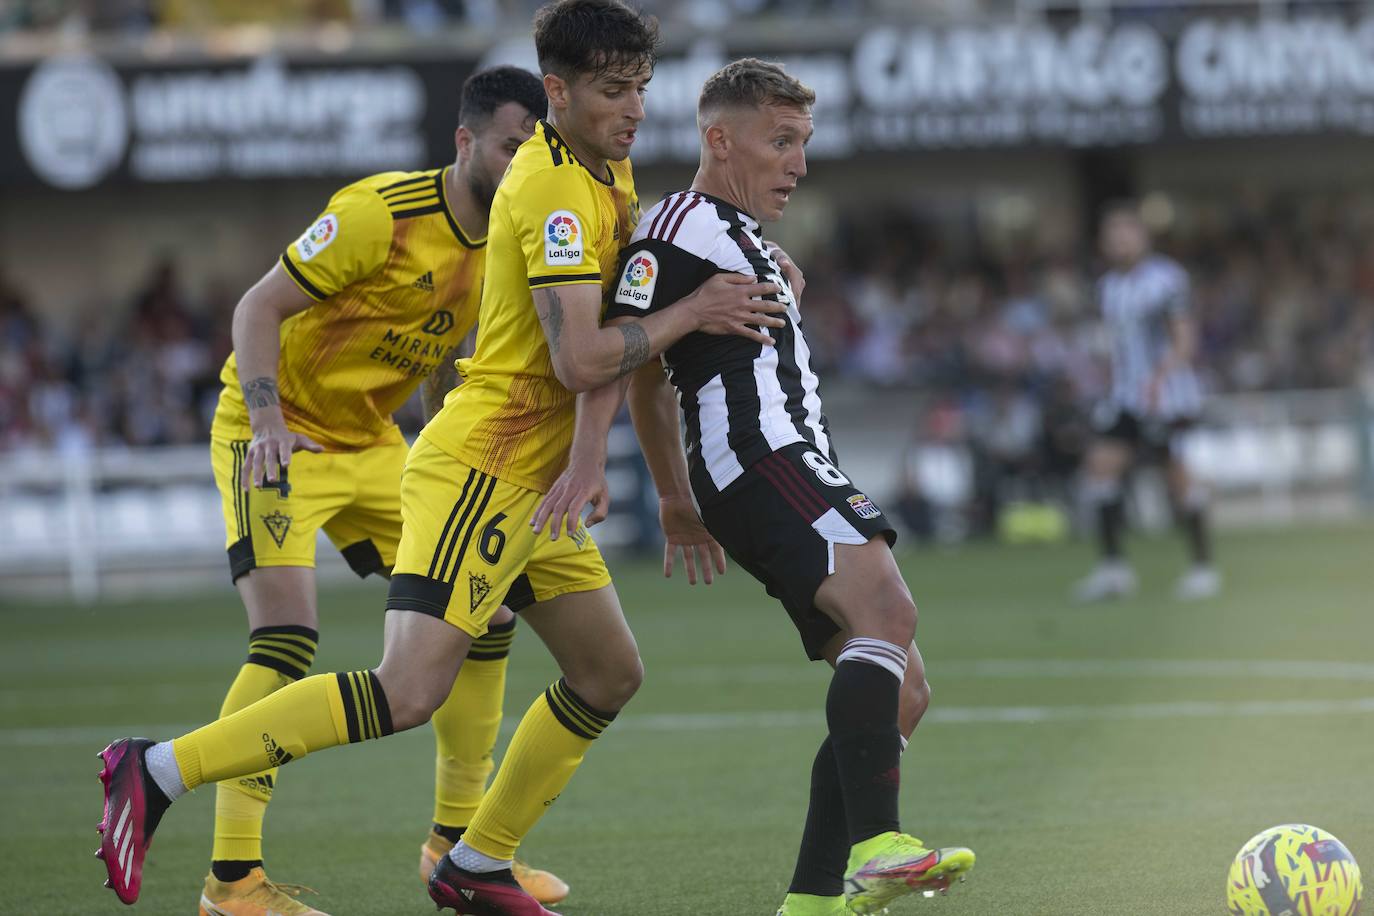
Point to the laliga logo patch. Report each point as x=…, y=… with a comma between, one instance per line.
x=562, y=239
x=637, y=283
x=318, y=237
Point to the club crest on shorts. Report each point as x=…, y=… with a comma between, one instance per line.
x=478, y=589
x=863, y=506
x=277, y=525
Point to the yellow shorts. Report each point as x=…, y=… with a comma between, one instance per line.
x=354, y=496
x=466, y=542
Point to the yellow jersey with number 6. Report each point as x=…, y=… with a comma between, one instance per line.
x=553, y=223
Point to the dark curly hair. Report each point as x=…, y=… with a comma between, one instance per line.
x=593, y=37
x=489, y=89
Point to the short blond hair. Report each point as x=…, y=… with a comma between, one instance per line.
x=751, y=83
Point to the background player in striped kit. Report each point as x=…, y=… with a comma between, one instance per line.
x=1155, y=396
x=763, y=469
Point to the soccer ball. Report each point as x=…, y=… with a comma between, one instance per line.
x=1293, y=870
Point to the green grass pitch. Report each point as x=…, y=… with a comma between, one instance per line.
x=1100, y=760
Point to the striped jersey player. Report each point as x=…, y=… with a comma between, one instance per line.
x=1155, y=397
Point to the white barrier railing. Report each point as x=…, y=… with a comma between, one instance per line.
x=71, y=521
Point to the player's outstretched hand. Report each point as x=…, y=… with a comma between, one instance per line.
x=790, y=271
x=683, y=530
x=270, y=452
x=727, y=303
x=561, y=507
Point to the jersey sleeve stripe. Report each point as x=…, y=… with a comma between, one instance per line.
x=310, y=289
x=665, y=214
x=418, y=211
x=677, y=224
x=406, y=181
x=419, y=197
x=558, y=279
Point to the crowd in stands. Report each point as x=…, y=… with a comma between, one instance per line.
x=1007, y=351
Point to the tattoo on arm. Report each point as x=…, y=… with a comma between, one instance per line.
x=551, y=316
x=260, y=392
x=636, y=347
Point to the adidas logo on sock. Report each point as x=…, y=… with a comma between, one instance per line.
x=276, y=754
x=425, y=281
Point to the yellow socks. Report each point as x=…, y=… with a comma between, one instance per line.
x=547, y=749
x=309, y=715
x=277, y=656
x=466, y=726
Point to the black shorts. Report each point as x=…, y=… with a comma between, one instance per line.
x=780, y=521
x=1155, y=438
x=521, y=594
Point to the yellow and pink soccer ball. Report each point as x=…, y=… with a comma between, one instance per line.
x=1294, y=870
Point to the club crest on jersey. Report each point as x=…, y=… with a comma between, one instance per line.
x=637, y=283
x=318, y=237
x=562, y=239
x=863, y=506
x=440, y=323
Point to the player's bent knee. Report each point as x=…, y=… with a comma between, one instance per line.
x=892, y=618
x=610, y=687
x=413, y=696
x=912, y=704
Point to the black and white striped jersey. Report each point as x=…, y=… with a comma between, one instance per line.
x=1138, y=305
x=741, y=400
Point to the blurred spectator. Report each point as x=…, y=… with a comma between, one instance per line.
x=1011, y=340
x=145, y=383
x=1005, y=435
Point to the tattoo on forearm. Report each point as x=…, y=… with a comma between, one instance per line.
x=260, y=392
x=636, y=347
x=551, y=316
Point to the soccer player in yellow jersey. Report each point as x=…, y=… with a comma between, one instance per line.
x=471, y=483
x=370, y=301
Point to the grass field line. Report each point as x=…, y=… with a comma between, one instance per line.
x=793, y=718
x=28, y=696
x=1051, y=668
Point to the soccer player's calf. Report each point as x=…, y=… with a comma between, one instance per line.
x=825, y=843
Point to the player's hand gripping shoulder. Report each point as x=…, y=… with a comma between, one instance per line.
x=683, y=531
x=727, y=303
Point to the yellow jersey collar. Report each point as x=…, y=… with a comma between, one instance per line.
x=448, y=213
x=560, y=147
